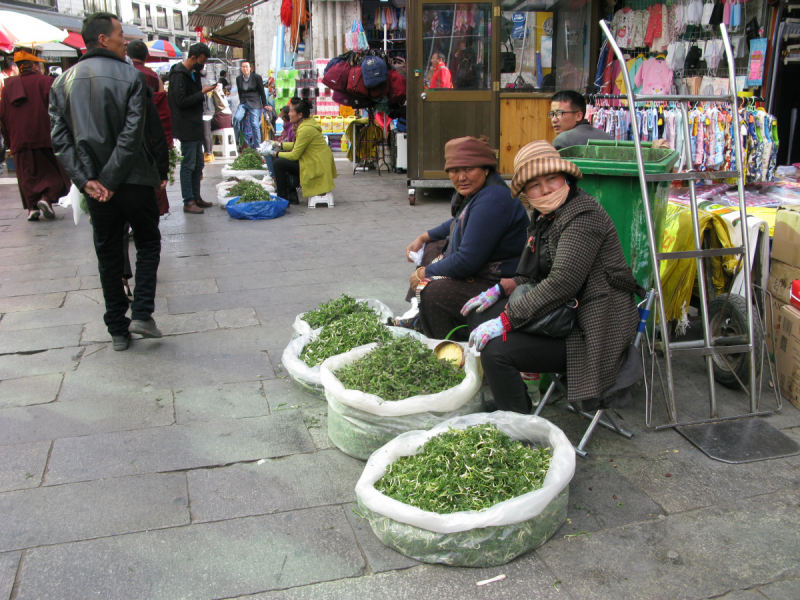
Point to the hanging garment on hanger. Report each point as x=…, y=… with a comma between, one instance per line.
x=622, y=26
x=736, y=13
x=654, y=77
x=694, y=12
x=726, y=13
x=653, y=25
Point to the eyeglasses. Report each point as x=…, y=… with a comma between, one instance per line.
x=560, y=113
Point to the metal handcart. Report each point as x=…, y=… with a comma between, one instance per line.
x=718, y=348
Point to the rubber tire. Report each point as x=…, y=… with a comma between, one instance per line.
x=412, y=199
x=735, y=323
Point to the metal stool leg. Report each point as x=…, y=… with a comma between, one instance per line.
x=544, y=399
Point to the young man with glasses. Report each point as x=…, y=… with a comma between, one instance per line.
x=567, y=110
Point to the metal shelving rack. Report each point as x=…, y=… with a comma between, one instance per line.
x=709, y=346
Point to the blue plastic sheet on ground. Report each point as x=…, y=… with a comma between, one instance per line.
x=254, y=211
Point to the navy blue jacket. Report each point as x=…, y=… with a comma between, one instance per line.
x=491, y=229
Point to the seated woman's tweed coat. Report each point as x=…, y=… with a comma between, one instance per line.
x=587, y=264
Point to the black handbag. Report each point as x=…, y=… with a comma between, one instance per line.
x=508, y=62
x=556, y=324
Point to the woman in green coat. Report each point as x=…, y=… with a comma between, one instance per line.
x=309, y=156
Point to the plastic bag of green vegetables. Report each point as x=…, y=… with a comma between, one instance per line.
x=334, y=309
x=471, y=538
x=304, y=355
x=360, y=422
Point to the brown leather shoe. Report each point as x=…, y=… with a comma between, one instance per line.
x=202, y=203
x=193, y=209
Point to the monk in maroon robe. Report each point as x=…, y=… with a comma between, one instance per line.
x=25, y=124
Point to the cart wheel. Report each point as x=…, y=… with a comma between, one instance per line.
x=734, y=322
x=411, y=199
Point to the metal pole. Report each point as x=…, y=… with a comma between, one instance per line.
x=651, y=235
x=701, y=271
x=748, y=290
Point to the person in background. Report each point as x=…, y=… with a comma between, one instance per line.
x=222, y=112
x=441, y=77
x=252, y=100
x=9, y=70
x=25, y=127
x=138, y=52
x=309, y=156
x=567, y=112
x=223, y=79
x=99, y=126
x=208, y=115
x=186, y=98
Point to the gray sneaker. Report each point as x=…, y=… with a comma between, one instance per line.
x=146, y=329
x=47, y=210
x=121, y=342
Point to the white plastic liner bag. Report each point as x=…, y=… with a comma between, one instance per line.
x=258, y=173
x=224, y=187
x=309, y=377
x=485, y=538
x=360, y=423
x=384, y=312
x=73, y=199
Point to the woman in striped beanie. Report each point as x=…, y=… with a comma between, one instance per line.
x=573, y=253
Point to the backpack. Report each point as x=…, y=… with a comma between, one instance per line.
x=336, y=76
x=397, y=88
x=355, y=83
x=345, y=100
x=379, y=91
x=373, y=71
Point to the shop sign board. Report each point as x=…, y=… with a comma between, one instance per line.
x=788, y=354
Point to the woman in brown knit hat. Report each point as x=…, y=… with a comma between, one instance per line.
x=474, y=249
x=573, y=253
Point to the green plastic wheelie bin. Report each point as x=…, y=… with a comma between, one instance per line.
x=611, y=175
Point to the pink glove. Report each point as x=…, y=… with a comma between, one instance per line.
x=484, y=332
x=483, y=300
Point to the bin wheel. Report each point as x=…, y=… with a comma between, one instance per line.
x=734, y=322
x=412, y=198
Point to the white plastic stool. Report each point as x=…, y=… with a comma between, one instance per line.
x=226, y=149
x=325, y=198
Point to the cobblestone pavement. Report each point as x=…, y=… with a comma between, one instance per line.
x=191, y=467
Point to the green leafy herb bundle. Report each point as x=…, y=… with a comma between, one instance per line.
x=256, y=194
x=241, y=187
x=400, y=368
x=466, y=469
x=174, y=159
x=333, y=310
x=341, y=336
x=248, y=160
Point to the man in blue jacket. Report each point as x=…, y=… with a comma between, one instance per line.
x=186, y=96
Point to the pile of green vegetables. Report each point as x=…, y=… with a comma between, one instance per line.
x=249, y=191
x=333, y=310
x=351, y=331
x=248, y=160
x=466, y=469
x=400, y=368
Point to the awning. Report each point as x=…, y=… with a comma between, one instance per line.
x=131, y=32
x=56, y=51
x=235, y=34
x=212, y=13
x=27, y=30
x=75, y=40
x=53, y=18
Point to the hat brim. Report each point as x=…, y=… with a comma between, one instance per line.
x=559, y=165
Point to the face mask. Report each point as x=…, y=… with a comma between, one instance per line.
x=197, y=67
x=550, y=202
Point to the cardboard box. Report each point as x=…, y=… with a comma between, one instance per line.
x=786, y=239
x=788, y=354
x=772, y=326
x=780, y=280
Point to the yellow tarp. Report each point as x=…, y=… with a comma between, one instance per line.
x=678, y=277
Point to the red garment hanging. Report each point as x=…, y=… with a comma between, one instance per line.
x=286, y=13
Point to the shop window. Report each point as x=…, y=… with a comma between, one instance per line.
x=527, y=50
x=177, y=19
x=93, y=6
x=42, y=2
x=148, y=15
x=456, y=46
x=161, y=18
x=137, y=15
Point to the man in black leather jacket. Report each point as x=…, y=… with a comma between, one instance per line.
x=99, y=125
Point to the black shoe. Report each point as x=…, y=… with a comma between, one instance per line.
x=146, y=329
x=121, y=342
x=293, y=199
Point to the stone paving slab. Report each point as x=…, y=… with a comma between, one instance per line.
x=92, y=282
x=95, y=331
x=178, y=447
x=39, y=272
x=186, y=288
x=81, y=417
x=255, y=268
x=276, y=485
x=526, y=578
x=235, y=318
x=696, y=554
x=80, y=511
x=43, y=286
x=26, y=391
x=22, y=466
x=84, y=298
x=55, y=317
x=41, y=363
x=380, y=557
x=205, y=561
x=781, y=590
x=9, y=563
x=34, y=302
x=44, y=338
x=226, y=401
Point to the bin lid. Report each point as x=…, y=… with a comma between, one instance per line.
x=609, y=157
